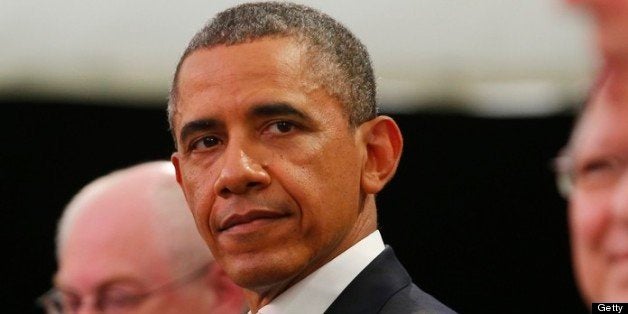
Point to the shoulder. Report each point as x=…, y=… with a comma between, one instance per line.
x=411, y=299
x=384, y=286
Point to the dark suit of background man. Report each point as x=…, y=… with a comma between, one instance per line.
x=280, y=153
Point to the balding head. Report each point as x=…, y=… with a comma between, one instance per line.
x=143, y=198
x=131, y=230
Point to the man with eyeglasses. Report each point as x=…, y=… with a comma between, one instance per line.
x=594, y=178
x=593, y=168
x=127, y=243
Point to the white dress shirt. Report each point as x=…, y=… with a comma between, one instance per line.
x=316, y=292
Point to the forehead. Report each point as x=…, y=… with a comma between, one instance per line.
x=262, y=59
x=604, y=123
x=230, y=74
x=103, y=239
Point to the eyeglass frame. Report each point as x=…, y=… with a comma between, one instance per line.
x=52, y=303
x=566, y=176
x=562, y=165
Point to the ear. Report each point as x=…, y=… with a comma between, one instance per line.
x=384, y=143
x=174, y=158
x=229, y=296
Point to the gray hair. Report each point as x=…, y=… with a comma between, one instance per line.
x=337, y=59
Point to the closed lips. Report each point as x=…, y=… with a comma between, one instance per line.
x=238, y=219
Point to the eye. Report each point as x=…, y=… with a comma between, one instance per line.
x=598, y=173
x=117, y=299
x=281, y=127
x=598, y=166
x=205, y=142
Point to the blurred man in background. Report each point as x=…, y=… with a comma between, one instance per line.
x=127, y=243
x=595, y=164
x=594, y=167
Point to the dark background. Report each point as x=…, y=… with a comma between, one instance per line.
x=472, y=212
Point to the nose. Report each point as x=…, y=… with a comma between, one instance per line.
x=242, y=170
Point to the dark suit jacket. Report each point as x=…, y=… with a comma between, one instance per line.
x=384, y=286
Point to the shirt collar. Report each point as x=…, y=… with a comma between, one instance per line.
x=316, y=292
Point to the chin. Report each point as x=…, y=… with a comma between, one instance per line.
x=259, y=273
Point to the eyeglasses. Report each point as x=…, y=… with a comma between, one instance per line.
x=109, y=300
x=597, y=175
x=564, y=176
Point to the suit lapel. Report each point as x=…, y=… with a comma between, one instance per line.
x=370, y=290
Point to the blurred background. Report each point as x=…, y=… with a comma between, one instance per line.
x=484, y=91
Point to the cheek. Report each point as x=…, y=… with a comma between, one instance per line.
x=319, y=175
x=198, y=187
x=588, y=223
x=588, y=215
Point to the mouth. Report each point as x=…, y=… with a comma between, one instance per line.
x=249, y=219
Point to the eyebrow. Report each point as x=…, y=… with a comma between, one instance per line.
x=198, y=125
x=277, y=109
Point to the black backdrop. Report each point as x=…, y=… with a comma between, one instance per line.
x=472, y=212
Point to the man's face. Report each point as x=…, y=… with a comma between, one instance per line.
x=599, y=203
x=611, y=17
x=269, y=165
